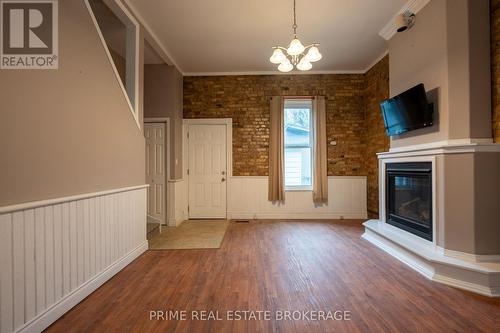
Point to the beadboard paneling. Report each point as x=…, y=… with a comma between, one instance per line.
x=248, y=199
x=178, y=200
x=50, y=253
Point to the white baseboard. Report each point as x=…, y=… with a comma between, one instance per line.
x=295, y=216
x=49, y=316
x=473, y=287
x=173, y=222
x=472, y=257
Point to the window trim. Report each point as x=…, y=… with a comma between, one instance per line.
x=134, y=108
x=300, y=188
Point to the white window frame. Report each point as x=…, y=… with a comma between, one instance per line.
x=116, y=5
x=308, y=188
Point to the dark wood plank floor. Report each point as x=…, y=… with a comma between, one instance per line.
x=281, y=265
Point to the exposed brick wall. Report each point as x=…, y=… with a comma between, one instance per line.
x=245, y=99
x=376, y=90
x=495, y=66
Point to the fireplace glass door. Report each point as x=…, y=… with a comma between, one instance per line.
x=409, y=197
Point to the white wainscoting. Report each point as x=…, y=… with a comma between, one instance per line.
x=248, y=200
x=178, y=202
x=54, y=253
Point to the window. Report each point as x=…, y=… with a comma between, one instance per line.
x=298, y=134
x=119, y=33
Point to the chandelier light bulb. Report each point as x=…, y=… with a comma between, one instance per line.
x=285, y=66
x=278, y=56
x=296, y=55
x=295, y=47
x=313, y=54
x=304, y=65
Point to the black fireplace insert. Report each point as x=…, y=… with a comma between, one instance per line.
x=409, y=197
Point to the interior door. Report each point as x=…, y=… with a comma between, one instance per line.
x=155, y=170
x=207, y=171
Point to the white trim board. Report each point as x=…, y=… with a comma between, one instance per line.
x=481, y=278
x=443, y=147
x=412, y=6
x=49, y=202
x=353, y=71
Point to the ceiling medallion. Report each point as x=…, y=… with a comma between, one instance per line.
x=296, y=55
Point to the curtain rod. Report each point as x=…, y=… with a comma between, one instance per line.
x=298, y=97
x=294, y=96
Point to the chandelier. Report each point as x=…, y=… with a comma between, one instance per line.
x=296, y=55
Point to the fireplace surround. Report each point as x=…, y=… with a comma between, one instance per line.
x=436, y=201
x=409, y=197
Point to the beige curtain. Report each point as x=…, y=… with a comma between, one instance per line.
x=276, y=191
x=320, y=177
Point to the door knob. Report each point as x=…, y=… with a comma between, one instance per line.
x=223, y=179
x=223, y=173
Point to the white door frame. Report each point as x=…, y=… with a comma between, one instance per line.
x=166, y=161
x=228, y=122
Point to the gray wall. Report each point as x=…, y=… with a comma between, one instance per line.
x=471, y=205
x=447, y=50
x=68, y=131
x=487, y=202
x=163, y=98
x=419, y=55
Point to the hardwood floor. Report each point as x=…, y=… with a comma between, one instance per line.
x=281, y=265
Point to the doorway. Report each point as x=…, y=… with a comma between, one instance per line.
x=209, y=167
x=156, y=132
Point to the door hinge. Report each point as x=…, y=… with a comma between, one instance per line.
x=188, y=172
x=188, y=208
x=188, y=134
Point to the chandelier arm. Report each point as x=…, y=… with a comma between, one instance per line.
x=280, y=47
x=311, y=45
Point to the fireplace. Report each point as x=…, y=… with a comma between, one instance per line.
x=409, y=197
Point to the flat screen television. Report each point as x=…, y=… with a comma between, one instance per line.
x=407, y=111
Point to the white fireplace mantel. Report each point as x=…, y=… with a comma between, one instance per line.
x=476, y=273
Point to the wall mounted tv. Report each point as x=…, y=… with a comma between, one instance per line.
x=407, y=111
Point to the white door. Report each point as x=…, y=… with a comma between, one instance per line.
x=155, y=170
x=207, y=171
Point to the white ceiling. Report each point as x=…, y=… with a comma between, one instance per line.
x=236, y=36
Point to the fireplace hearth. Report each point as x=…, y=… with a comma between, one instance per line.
x=409, y=197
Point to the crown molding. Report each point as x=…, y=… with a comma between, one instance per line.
x=413, y=6
x=273, y=73
x=354, y=71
